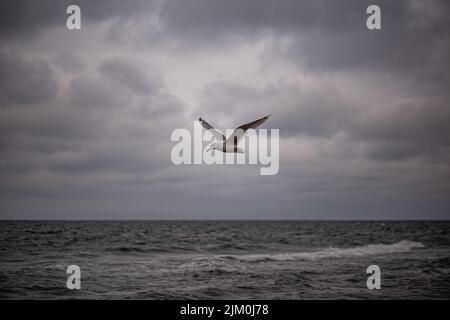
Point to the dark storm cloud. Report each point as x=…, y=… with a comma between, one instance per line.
x=206, y=20
x=417, y=129
x=306, y=112
x=128, y=75
x=94, y=92
x=86, y=116
x=418, y=121
x=69, y=63
x=105, y=127
x=23, y=18
x=25, y=81
x=331, y=37
x=53, y=123
x=325, y=34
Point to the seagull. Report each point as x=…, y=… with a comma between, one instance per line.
x=230, y=144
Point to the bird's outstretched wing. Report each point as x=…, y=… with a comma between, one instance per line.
x=240, y=131
x=217, y=134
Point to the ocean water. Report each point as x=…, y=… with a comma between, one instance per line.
x=224, y=259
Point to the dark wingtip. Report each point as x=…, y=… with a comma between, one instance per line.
x=199, y=119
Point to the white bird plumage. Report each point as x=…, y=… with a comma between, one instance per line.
x=231, y=144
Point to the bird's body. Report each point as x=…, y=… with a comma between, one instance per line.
x=230, y=145
x=226, y=147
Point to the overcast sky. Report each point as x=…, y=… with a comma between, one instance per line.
x=86, y=115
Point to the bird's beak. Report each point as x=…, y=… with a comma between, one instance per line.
x=209, y=149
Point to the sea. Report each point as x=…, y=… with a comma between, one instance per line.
x=225, y=259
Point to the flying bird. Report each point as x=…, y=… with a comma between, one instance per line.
x=231, y=144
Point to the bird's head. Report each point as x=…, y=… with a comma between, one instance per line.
x=212, y=146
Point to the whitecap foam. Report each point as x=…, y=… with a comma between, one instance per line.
x=361, y=251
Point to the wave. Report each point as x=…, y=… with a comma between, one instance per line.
x=126, y=249
x=145, y=249
x=362, y=251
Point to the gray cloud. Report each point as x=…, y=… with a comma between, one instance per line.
x=129, y=75
x=96, y=133
x=324, y=35
x=308, y=112
x=23, y=18
x=86, y=116
x=69, y=63
x=417, y=129
x=25, y=81
x=96, y=92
